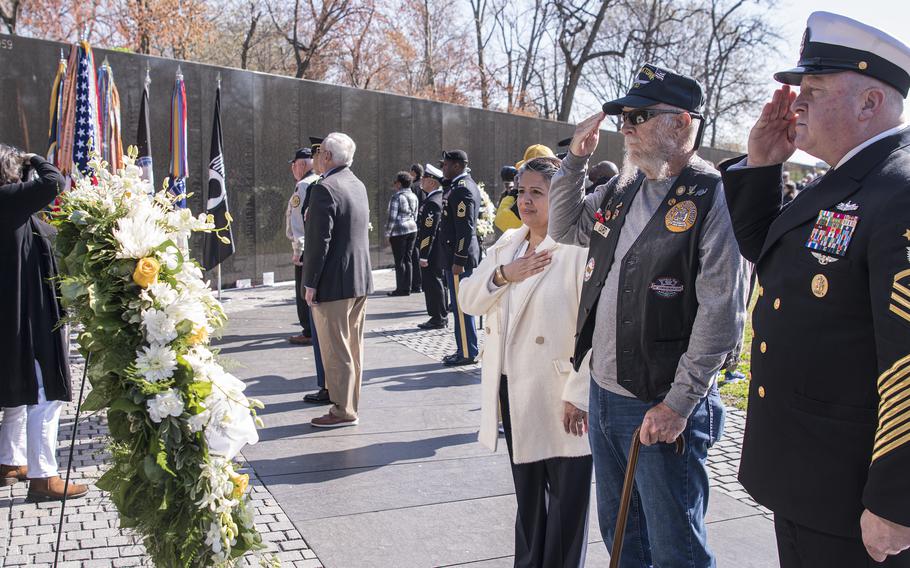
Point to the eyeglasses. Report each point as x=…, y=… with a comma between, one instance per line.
x=641, y=116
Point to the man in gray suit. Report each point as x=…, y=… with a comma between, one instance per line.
x=337, y=274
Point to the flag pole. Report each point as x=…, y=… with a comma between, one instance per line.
x=218, y=276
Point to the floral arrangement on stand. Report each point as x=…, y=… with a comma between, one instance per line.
x=177, y=419
x=486, y=214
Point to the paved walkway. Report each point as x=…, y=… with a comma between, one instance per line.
x=408, y=487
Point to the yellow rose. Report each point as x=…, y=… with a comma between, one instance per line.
x=240, y=484
x=146, y=272
x=200, y=335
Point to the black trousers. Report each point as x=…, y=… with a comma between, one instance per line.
x=416, y=273
x=551, y=526
x=401, y=251
x=434, y=292
x=303, y=310
x=801, y=547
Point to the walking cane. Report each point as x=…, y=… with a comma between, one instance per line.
x=69, y=465
x=626, y=501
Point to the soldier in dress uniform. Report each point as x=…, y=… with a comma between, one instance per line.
x=462, y=249
x=432, y=259
x=302, y=170
x=827, y=442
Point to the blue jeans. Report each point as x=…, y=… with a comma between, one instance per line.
x=465, y=331
x=666, y=523
x=317, y=355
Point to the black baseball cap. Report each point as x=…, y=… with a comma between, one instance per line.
x=654, y=85
x=315, y=143
x=301, y=154
x=455, y=155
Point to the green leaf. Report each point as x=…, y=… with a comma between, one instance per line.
x=152, y=470
x=161, y=460
x=109, y=481
x=96, y=400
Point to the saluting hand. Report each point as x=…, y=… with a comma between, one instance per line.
x=882, y=537
x=771, y=140
x=587, y=134
x=528, y=265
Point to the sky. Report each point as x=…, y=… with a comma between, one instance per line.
x=891, y=16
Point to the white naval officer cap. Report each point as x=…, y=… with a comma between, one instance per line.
x=432, y=171
x=833, y=44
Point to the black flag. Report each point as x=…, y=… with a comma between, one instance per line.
x=144, y=160
x=215, y=250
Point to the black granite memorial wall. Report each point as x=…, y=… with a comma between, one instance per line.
x=265, y=118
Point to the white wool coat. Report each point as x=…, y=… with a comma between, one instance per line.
x=540, y=338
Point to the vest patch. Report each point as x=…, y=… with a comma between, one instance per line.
x=295, y=201
x=667, y=287
x=589, y=269
x=601, y=229
x=681, y=217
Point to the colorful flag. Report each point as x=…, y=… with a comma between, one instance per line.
x=78, y=133
x=179, y=167
x=110, y=143
x=53, y=129
x=143, y=141
x=214, y=250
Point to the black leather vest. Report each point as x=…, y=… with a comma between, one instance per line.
x=656, y=303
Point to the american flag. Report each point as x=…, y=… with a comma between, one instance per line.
x=86, y=128
x=80, y=111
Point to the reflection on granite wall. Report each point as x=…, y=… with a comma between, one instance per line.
x=265, y=118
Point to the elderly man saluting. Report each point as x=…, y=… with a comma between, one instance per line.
x=827, y=443
x=662, y=304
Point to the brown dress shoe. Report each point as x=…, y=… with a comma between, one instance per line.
x=301, y=339
x=10, y=474
x=52, y=489
x=332, y=421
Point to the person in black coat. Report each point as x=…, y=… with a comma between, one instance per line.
x=337, y=274
x=827, y=440
x=432, y=261
x=35, y=376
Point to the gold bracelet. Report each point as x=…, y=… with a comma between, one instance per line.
x=502, y=274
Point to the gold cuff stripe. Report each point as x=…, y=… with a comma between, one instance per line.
x=889, y=401
x=890, y=441
x=884, y=380
x=900, y=300
x=894, y=416
x=425, y=242
x=899, y=312
x=460, y=244
x=885, y=450
x=894, y=383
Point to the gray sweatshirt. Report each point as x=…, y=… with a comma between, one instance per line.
x=721, y=284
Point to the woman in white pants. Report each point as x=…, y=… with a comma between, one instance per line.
x=528, y=287
x=34, y=376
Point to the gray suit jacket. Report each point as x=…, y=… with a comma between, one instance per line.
x=336, y=259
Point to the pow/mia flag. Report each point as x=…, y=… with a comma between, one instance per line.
x=216, y=251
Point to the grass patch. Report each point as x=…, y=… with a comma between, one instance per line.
x=737, y=394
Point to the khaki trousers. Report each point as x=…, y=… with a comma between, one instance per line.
x=339, y=325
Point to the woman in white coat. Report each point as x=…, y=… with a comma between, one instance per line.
x=528, y=287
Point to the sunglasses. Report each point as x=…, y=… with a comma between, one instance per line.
x=641, y=116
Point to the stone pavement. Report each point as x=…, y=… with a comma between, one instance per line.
x=408, y=487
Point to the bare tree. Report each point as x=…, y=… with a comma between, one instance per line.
x=9, y=14
x=520, y=31
x=255, y=14
x=309, y=32
x=483, y=33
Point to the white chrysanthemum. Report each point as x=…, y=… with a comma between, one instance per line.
x=202, y=362
x=156, y=362
x=138, y=235
x=159, y=328
x=167, y=403
x=160, y=294
x=187, y=307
